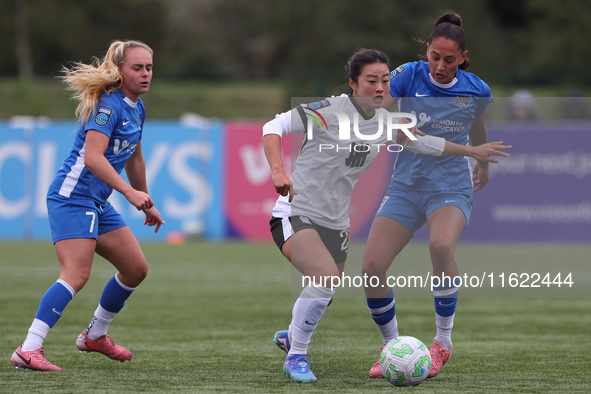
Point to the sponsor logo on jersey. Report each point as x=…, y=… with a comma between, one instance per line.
x=318, y=118
x=357, y=155
x=464, y=102
x=396, y=72
x=119, y=146
x=102, y=116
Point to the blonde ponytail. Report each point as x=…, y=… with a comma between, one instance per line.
x=89, y=81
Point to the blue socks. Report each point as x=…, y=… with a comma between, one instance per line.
x=445, y=297
x=54, y=301
x=383, y=313
x=52, y=304
x=114, y=295
x=112, y=301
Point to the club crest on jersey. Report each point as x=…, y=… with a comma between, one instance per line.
x=396, y=72
x=463, y=102
x=102, y=116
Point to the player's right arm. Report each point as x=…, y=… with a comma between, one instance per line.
x=273, y=131
x=281, y=182
x=95, y=160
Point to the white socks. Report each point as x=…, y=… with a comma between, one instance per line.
x=100, y=323
x=36, y=335
x=307, y=312
x=444, y=326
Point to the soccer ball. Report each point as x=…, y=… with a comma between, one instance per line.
x=405, y=361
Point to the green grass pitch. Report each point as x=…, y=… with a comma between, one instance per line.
x=204, y=318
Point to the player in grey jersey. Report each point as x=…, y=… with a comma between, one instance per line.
x=310, y=220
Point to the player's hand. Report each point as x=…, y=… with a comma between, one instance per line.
x=480, y=176
x=485, y=152
x=283, y=184
x=140, y=200
x=153, y=218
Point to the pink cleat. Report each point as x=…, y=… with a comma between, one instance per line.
x=34, y=359
x=439, y=356
x=375, y=372
x=104, y=345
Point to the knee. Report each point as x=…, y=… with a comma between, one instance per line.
x=76, y=279
x=371, y=267
x=140, y=272
x=441, y=252
x=134, y=275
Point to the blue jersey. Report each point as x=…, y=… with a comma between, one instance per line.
x=446, y=111
x=122, y=121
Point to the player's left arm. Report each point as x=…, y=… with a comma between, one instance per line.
x=437, y=146
x=135, y=168
x=478, y=135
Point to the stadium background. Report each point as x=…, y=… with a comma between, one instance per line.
x=224, y=67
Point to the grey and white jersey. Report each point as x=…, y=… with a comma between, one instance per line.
x=328, y=166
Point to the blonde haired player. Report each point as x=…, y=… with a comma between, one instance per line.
x=108, y=139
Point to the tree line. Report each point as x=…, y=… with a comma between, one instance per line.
x=306, y=42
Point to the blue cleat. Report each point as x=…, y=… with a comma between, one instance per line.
x=298, y=369
x=281, y=339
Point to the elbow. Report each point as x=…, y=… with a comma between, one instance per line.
x=90, y=162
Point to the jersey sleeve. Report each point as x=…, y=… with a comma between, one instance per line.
x=105, y=118
x=142, y=117
x=483, y=101
x=285, y=123
x=427, y=145
x=400, y=79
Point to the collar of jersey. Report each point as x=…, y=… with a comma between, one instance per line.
x=360, y=110
x=442, y=85
x=127, y=100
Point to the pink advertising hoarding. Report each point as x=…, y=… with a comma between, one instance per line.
x=249, y=192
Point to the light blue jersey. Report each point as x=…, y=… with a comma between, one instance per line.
x=122, y=121
x=442, y=110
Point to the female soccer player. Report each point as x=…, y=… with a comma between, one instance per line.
x=111, y=119
x=310, y=219
x=450, y=103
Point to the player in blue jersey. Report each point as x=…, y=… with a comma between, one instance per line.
x=311, y=217
x=108, y=139
x=450, y=103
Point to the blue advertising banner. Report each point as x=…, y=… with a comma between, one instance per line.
x=184, y=167
x=542, y=193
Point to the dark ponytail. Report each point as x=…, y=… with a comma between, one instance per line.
x=448, y=25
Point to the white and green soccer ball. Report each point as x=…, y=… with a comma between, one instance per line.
x=405, y=361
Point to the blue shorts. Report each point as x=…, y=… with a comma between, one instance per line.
x=412, y=208
x=80, y=218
